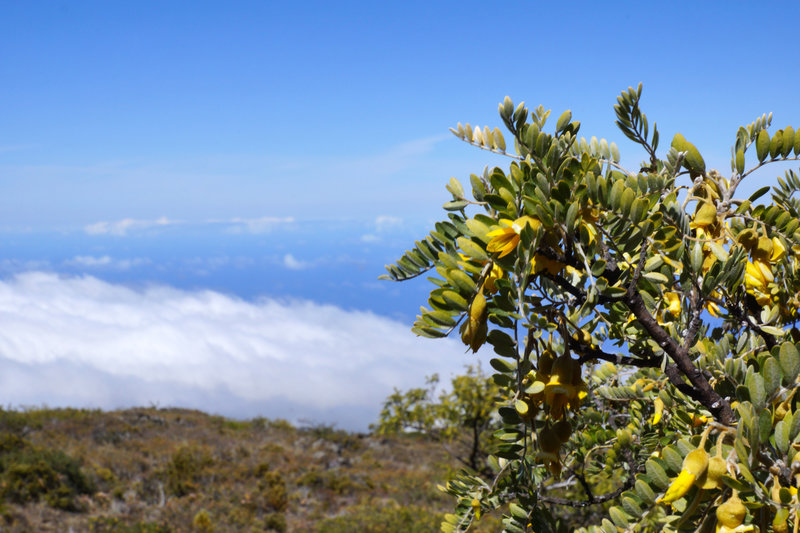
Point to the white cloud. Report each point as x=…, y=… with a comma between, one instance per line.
x=255, y=225
x=105, y=261
x=121, y=227
x=383, y=222
x=85, y=342
x=291, y=263
x=90, y=261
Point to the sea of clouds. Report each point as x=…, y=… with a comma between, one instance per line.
x=83, y=342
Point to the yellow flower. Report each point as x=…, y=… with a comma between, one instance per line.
x=589, y=217
x=757, y=277
x=495, y=274
x=712, y=308
x=694, y=466
x=506, y=239
x=565, y=388
x=658, y=404
x=673, y=303
x=705, y=216
x=540, y=262
x=778, y=250
x=474, y=329
x=678, y=487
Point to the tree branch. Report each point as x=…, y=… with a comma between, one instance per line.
x=703, y=392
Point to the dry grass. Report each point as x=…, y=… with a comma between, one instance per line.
x=171, y=470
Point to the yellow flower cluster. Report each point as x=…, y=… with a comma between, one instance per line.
x=758, y=275
x=555, y=387
x=706, y=474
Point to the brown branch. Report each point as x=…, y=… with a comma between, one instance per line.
x=695, y=305
x=703, y=392
x=588, y=353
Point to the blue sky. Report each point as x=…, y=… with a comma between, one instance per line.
x=282, y=154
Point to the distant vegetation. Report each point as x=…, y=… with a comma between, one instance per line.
x=170, y=470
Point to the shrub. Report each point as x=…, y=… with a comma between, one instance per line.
x=30, y=474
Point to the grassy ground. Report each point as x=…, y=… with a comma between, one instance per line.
x=169, y=470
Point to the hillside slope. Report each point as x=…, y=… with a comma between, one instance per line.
x=171, y=470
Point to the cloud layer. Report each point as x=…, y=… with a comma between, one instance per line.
x=83, y=342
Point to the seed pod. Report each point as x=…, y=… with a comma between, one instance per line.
x=717, y=466
x=563, y=430
x=549, y=441
x=731, y=513
x=546, y=362
x=779, y=524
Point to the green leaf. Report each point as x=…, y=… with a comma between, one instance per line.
x=517, y=511
x=736, y=484
x=764, y=424
x=697, y=257
x=455, y=300
x=757, y=391
x=740, y=161
x=693, y=160
x=782, y=440
x=762, y=145
x=790, y=361
x=772, y=376
x=441, y=318
x=645, y=492
x=598, y=267
x=471, y=249
x=788, y=140
x=759, y=193
x=460, y=280
x=455, y=188
x=619, y=517
x=656, y=277
x=632, y=506
x=626, y=201
x=563, y=121
x=797, y=142
x=572, y=214
x=426, y=331
x=455, y=205
x=638, y=209
x=776, y=144
x=501, y=365
x=673, y=459
x=616, y=194
x=656, y=474
x=718, y=251
x=521, y=406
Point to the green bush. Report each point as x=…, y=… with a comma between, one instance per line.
x=30, y=474
x=184, y=470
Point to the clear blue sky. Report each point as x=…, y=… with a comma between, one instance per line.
x=264, y=150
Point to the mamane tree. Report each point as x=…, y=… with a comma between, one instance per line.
x=642, y=321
